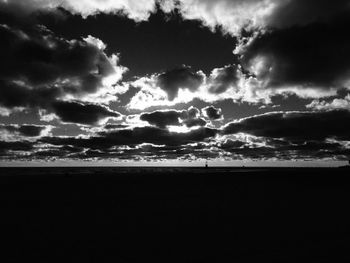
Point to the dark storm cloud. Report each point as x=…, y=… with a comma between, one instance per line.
x=13, y=95
x=162, y=118
x=302, y=12
x=279, y=145
x=315, y=55
x=38, y=68
x=310, y=146
x=15, y=146
x=212, y=113
x=295, y=125
x=18, y=95
x=171, y=81
x=28, y=130
x=221, y=79
x=285, y=150
x=192, y=113
x=165, y=118
x=76, y=112
x=37, y=57
x=244, y=150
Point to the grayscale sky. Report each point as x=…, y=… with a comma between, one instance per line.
x=151, y=82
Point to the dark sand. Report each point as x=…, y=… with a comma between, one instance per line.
x=174, y=215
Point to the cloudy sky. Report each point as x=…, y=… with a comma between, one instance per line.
x=163, y=82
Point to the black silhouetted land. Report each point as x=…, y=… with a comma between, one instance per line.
x=175, y=215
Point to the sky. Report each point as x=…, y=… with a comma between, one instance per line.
x=165, y=82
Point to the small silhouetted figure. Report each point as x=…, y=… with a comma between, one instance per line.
x=206, y=164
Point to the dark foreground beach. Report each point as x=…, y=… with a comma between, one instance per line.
x=175, y=215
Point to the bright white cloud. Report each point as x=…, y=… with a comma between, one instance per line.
x=179, y=129
x=45, y=116
x=231, y=15
x=334, y=104
x=135, y=9
x=4, y=112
